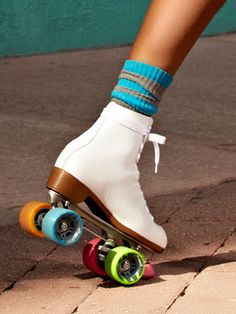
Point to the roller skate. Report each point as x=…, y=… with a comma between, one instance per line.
x=95, y=179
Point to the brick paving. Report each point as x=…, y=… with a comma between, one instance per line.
x=46, y=101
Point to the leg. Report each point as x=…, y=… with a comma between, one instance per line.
x=102, y=164
x=170, y=29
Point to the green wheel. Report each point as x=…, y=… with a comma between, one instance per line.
x=124, y=265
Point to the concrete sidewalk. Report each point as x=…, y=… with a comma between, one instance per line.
x=47, y=100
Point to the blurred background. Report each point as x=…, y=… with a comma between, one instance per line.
x=30, y=27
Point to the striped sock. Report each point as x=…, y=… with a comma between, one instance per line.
x=140, y=87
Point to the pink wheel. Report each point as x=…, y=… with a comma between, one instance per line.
x=90, y=253
x=149, y=272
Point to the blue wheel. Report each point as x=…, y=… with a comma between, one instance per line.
x=63, y=226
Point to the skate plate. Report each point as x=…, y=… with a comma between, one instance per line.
x=112, y=233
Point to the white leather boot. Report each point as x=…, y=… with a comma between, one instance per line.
x=101, y=166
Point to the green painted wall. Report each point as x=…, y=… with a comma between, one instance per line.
x=36, y=26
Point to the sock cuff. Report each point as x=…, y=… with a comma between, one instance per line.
x=149, y=71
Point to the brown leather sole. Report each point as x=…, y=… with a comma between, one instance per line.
x=76, y=192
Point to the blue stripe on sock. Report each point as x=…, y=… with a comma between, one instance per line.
x=138, y=104
x=135, y=87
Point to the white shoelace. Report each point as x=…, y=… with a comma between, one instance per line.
x=156, y=139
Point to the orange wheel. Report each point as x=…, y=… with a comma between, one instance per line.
x=31, y=216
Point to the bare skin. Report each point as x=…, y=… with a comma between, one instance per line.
x=170, y=29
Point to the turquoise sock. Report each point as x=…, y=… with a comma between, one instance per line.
x=141, y=86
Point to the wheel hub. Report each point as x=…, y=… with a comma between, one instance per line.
x=63, y=226
x=39, y=218
x=125, y=265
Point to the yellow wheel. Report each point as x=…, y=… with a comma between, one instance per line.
x=31, y=217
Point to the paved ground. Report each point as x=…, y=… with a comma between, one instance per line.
x=47, y=100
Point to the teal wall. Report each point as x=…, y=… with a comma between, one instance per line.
x=36, y=26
